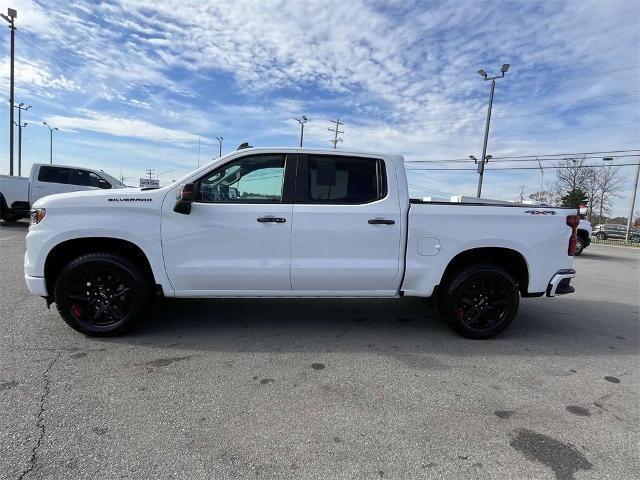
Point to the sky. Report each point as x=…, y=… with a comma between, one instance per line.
x=135, y=85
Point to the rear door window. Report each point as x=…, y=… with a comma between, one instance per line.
x=344, y=180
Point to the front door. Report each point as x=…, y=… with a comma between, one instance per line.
x=237, y=238
x=346, y=233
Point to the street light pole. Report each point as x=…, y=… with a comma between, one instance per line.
x=10, y=18
x=20, y=108
x=20, y=127
x=483, y=159
x=220, y=140
x=50, y=141
x=301, y=121
x=633, y=202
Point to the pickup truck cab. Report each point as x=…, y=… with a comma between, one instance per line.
x=293, y=223
x=17, y=194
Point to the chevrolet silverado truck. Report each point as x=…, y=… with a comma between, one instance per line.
x=293, y=223
x=17, y=194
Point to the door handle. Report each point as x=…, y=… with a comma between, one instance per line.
x=381, y=221
x=271, y=220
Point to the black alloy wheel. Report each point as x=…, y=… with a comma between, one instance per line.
x=101, y=294
x=481, y=301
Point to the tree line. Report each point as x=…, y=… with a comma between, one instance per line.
x=578, y=182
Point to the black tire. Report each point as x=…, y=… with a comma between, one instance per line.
x=601, y=236
x=102, y=294
x=480, y=301
x=579, y=247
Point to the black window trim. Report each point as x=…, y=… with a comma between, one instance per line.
x=288, y=187
x=44, y=168
x=301, y=195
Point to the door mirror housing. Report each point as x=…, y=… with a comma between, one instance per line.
x=185, y=199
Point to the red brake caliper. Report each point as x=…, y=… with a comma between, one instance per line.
x=77, y=310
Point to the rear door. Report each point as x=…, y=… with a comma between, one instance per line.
x=346, y=232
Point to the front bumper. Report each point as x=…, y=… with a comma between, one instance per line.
x=560, y=283
x=37, y=285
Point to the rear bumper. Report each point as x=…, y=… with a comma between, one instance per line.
x=37, y=285
x=560, y=283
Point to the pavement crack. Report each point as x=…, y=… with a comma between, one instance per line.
x=40, y=419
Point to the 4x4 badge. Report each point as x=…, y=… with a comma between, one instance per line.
x=540, y=212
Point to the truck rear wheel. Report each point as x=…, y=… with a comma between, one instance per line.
x=480, y=301
x=102, y=294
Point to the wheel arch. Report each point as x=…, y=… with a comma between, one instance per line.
x=64, y=252
x=510, y=260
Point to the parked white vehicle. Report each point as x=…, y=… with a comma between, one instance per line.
x=17, y=194
x=293, y=223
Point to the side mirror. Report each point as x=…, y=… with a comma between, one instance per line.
x=233, y=193
x=185, y=199
x=102, y=183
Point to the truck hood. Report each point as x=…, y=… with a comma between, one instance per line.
x=99, y=198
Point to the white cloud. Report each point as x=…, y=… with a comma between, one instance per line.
x=120, y=127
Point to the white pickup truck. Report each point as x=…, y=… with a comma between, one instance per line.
x=17, y=194
x=293, y=223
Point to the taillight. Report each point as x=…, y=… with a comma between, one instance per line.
x=573, y=221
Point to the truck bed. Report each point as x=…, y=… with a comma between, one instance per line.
x=438, y=231
x=14, y=192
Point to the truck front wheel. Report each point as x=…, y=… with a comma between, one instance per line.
x=480, y=301
x=102, y=294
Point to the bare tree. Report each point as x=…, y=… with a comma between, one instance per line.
x=591, y=187
x=571, y=173
x=544, y=197
x=609, y=183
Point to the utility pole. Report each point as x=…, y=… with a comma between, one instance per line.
x=483, y=159
x=10, y=18
x=541, y=174
x=522, y=187
x=198, y=151
x=51, y=130
x=633, y=202
x=220, y=140
x=301, y=121
x=336, y=131
x=20, y=108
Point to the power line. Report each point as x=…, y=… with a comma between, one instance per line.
x=534, y=157
x=522, y=168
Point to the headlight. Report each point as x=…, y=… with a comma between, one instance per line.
x=37, y=215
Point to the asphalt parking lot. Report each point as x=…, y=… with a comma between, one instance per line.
x=325, y=388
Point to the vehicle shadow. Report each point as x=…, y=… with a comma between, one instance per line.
x=17, y=225
x=567, y=327
x=605, y=257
